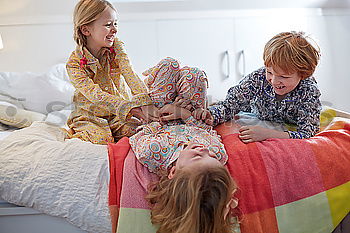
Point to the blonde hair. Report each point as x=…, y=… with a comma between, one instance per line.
x=292, y=52
x=193, y=201
x=86, y=12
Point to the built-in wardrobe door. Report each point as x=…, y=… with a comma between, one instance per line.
x=140, y=42
x=204, y=43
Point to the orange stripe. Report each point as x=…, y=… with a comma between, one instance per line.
x=116, y=154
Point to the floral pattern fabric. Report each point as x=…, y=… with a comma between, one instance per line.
x=167, y=80
x=255, y=94
x=157, y=146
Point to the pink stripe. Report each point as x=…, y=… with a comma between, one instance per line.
x=291, y=168
x=135, y=182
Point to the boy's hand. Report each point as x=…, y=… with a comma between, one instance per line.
x=172, y=112
x=183, y=103
x=204, y=115
x=253, y=133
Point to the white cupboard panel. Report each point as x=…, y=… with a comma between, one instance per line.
x=318, y=31
x=252, y=33
x=203, y=43
x=140, y=43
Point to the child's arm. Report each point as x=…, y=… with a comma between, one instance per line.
x=183, y=103
x=308, y=115
x=97, y=97
x=307, y=120
x=203, y=115
x=172, y=112
x=238, y=98
x=255, y=133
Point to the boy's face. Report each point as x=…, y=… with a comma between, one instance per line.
x=282, y=82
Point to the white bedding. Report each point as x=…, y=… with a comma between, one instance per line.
x=4, y=134
x=38, y=92
x=5, y=130
x=69, y=179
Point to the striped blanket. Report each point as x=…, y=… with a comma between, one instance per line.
x=286, y=185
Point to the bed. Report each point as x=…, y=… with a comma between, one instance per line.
x=285, y=185
x=15, y=219
x=24, y=98
x=49, y=184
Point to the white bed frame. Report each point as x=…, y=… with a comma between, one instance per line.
x=15, y=219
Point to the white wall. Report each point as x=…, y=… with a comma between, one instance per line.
x=30, y=8
x=193, y=5
x=35, y=47
x=38, y=34
x=42, y=29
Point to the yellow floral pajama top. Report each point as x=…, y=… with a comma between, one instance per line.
x=102, y=103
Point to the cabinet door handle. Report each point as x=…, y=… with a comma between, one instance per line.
x=241, y=56
x=228, y=71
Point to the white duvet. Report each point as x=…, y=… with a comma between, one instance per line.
x=38, y=169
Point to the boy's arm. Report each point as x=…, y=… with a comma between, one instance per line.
x=238, y=98
x=256, y=133
x=224, y=110
x=308, y=119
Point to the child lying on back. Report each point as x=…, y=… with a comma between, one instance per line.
x=195, y=193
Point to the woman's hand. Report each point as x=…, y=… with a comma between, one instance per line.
x=255, y=133
x=204, y=115
x=172, y=112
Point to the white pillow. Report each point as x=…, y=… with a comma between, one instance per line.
x=43, y=93
x=12, y=115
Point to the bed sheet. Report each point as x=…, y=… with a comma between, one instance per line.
x=63, y=178
x=4, y=134
x=6, y=130
x=286, y=185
